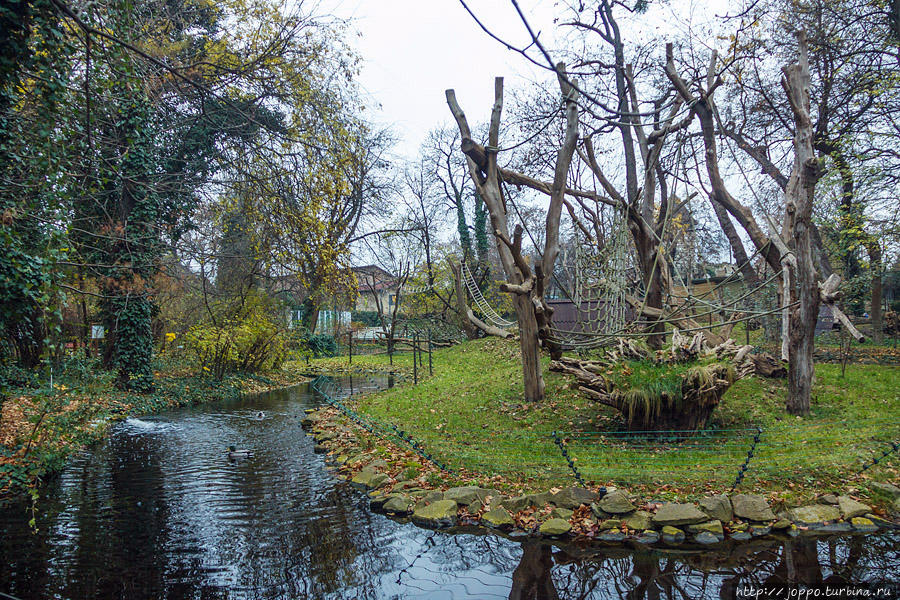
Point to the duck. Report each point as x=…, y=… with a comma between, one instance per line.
x=234, y=453
x=260, y=415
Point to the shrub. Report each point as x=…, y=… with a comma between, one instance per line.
x=320, y=345
x=248, y=344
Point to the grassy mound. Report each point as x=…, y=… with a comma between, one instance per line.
x=470, y=414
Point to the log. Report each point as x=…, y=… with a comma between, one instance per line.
x=488, y=329
x=766, y=365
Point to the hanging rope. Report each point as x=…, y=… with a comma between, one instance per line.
x=480, y=302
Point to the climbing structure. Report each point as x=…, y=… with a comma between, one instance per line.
x=479, y=300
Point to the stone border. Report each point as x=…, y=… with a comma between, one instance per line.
x=606, y=516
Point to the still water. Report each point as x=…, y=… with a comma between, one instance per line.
x=158, y=511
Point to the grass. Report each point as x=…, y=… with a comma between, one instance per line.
x=469, y=414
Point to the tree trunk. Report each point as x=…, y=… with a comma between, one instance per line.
x=532, y=578
x=804, y=289
x=802, y=324
x=529, y=343
x=874, y=250
x=310, y=315
x=461, y=306
x=524, y=282
x=751, y=279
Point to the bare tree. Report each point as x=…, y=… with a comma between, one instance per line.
x=524, y=283
x=794, y=250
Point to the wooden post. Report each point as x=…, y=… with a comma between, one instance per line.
x=350, y=345
x=430, y=367
x=415, y=368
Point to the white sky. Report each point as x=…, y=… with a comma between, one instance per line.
x=413, y=50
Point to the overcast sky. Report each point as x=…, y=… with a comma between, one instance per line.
x=413, y=50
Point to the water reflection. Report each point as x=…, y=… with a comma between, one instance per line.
x=158, y=511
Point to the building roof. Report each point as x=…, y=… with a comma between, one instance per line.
x=374, y=278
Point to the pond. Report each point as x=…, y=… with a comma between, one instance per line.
x=159, y=511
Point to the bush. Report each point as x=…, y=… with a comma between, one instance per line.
x=320, y=345
x=249, y=343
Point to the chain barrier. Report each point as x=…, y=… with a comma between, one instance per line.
x=373, y=426
x=894, y=447
x=746, y=465
x=622, y=456
x=565, y=452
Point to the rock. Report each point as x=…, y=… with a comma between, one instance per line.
x=752, y=507
x=713, y=527
x=851, y=508
x=863, y=524
x=639, y=520
x=672, y=535
x=573, y=497
x=885, y=489
x=378, y=464
x=827, y=499
x=679, y=514
x=840, y=527
x=598, y=512
x=611, y=536
x=782, y=524
x=377, y=501
x=462, y=495
x=648, y=537
x=740, y=527
x=475, y=506
x=320, y=449
x=610, y=524
x=706, y=538
x=740, y=536
x=539, y=500
x=884, y=523
x=441, y=513
x=409, y=484
x=485, y=494
x=815, y=513
x=616, y=503
x=433, y=496
x=759, y=530
x=498, y=517
x=717, y=507
x=561, y=513
x=515, y=503
x=398, y=505
x=363, y=477
x=555, y=527
x=377, y=480
x=326, y=436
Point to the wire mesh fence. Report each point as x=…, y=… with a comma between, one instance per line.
x=726, y=458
